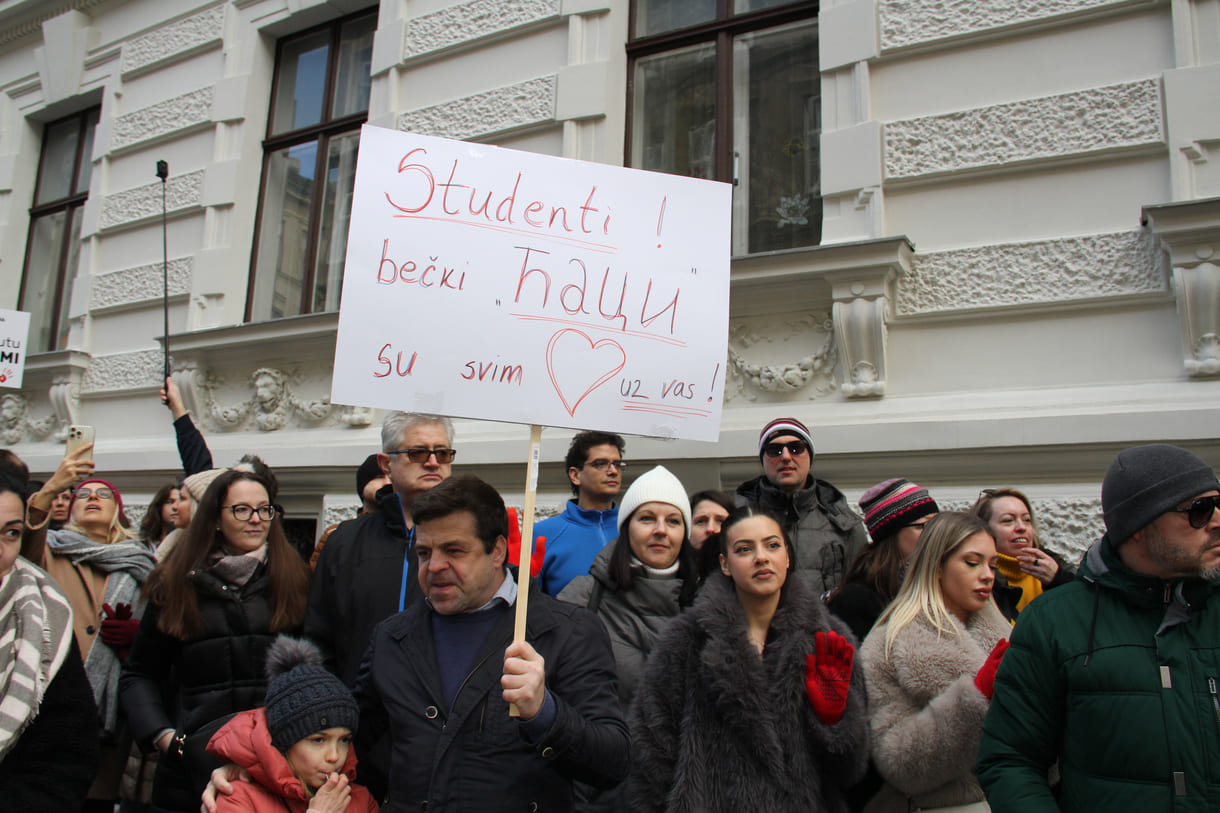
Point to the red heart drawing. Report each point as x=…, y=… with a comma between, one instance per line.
x=577, y=363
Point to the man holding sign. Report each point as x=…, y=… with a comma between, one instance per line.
x=442, y=674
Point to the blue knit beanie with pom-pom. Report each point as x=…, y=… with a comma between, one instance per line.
x=302, y=697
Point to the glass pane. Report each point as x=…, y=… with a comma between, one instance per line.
x=674, y=112
x=85, y=171
x=69, y=276
x=58, y=166
x=301, y=83
x=42, y=278
x=336, y=213
x=777, y=99
x=742, y=6
x=283, y=235
x=355, y=62
x=657, y=16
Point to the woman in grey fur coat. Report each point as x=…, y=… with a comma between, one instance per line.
x=929, y=672
x=749, y=700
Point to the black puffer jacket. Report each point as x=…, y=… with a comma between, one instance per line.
x=193, y=686
x=357, y=584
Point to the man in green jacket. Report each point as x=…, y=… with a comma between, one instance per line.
x=1115, y=676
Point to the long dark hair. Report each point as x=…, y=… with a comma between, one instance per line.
x=623, y=578
x=153, y=528
x=169, y=584
x=880, y=567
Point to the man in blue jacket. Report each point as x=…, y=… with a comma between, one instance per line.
x=1115, y=676
x=588, y=522
x=441, y=676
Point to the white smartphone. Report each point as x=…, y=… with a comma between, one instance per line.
x=78, y=436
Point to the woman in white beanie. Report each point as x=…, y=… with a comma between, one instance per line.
x=642, y=580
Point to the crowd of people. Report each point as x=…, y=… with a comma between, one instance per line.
x=768, y=649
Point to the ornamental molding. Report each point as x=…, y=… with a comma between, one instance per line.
x=275, y=402
x=120, y=372
x=334, y=514
x=1034, y=273
x=142, y=202
x=507, y=108
x=162, y=119
x=773, y=358
x=907, y=23
x=141, y=284
x=175, y=41
x=1090, y=121
x=467, y=23
x=16, y=423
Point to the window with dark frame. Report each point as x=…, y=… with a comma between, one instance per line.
x=730, y=90
x=52, y=249
x=319, y=100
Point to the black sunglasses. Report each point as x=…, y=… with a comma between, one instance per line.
x=421, y=455
x=796, y=448
x=1200, y=511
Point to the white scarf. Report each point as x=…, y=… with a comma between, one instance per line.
x=36, y=626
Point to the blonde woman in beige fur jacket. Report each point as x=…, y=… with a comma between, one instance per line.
x=929, y=665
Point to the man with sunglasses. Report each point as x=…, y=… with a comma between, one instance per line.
x=824, y=531
x=590, y=520
x=1116, y=676
x=366, y=572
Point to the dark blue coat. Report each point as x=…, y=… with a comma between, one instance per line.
x=476, y=757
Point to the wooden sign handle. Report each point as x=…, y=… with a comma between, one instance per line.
x=527, y=542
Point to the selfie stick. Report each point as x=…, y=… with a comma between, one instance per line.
x=163, y=173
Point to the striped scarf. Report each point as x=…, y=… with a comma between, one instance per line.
x=36, y=627
x=128, y=564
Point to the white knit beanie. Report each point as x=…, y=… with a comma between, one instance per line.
x=657, y=485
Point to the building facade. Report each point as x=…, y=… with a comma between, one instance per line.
x=974, y=243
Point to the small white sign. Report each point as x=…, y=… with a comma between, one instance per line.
x=14, y=333
x=489, y=283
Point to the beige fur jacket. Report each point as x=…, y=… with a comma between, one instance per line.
x=925, y=713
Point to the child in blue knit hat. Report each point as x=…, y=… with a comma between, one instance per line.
x=297, y=750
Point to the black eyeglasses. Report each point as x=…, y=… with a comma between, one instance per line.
x=796, y=448
x=920, y=525
x=1200, y=511
x=418, y=454
x=602, y=464
x=243, y=512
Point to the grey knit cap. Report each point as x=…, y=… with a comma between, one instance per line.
x=302, y=697
x=1144, y=482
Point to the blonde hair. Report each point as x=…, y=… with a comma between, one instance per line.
x=920, y=593
x=983, y=508
x=115, y=533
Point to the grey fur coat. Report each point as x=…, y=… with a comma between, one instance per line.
x=925, y=713
x=717, y=728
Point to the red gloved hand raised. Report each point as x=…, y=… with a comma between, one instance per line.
x=828, y=675
x=985, y=679
x=119, y=628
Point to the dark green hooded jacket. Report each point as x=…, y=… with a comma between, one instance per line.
x=1115, y=676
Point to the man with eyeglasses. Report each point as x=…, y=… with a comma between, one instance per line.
x=590, y=520
x=825, y=533
x=1116, y=676
x=366, y=572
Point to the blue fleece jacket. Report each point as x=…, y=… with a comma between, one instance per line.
x=573, y=540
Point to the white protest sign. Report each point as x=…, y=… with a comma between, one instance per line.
x=14, y=332
x=488, y=283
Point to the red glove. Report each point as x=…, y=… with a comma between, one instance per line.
x=828, y=675
x=985, y=679
x=536, y=557
x=119, y=628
